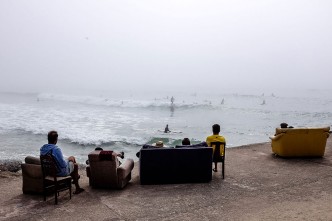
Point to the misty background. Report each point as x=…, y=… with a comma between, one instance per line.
x=59, y=46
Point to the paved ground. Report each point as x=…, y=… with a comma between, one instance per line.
x=258, y=186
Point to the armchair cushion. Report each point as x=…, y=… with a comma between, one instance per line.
x=106, y=155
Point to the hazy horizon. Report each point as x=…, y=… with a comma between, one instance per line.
x=238, y=45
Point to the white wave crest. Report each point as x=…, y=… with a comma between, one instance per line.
x=125, y=103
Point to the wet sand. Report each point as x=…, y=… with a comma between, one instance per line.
x=257, y=186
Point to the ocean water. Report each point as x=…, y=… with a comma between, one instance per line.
x=126, y=121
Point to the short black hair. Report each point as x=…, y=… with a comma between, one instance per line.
x=283, y=125
x=185, y=141
x=52, y=137
x=216, y=129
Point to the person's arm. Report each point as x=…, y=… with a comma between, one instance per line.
x=208, y=141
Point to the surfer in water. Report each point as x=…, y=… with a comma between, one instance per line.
x=166, y=129
x=172, y=100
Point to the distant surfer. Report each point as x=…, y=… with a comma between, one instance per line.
x=222, y=102
x=263, y=103
x=166, y=129
x=172, y=100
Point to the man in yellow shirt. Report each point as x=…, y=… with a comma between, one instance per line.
x=216, y=138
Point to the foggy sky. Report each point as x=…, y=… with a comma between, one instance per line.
x=66, y=44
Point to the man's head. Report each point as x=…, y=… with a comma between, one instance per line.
x=283, y=125
x=216, y=129
x=52, y=137
x=185, y=141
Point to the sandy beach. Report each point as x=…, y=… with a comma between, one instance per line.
x=257, y=186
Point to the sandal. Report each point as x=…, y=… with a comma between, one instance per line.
x=78, y=191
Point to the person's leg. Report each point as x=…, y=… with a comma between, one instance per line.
x=74, y=174
x=121, y=155
x=215, y=167
x=75, y=177
x=72, y=159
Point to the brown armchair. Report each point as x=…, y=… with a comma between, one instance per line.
x=105, y=171
x=32, y=175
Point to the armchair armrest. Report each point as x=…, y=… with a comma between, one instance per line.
x=124, y=169
x=32, y=170
x=277, y=137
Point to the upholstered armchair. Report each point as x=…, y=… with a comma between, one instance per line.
x=32, y=175
x=105, y=171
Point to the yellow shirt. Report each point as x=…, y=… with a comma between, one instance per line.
x=216, y=138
